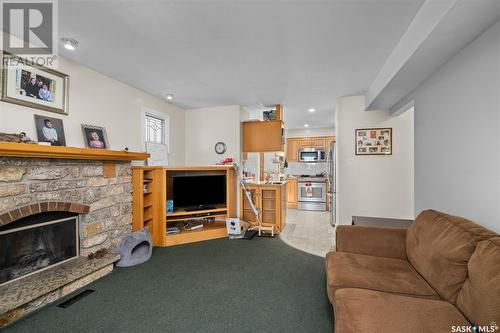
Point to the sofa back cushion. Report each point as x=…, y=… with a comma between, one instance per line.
x=439, y=246
x=479, y=298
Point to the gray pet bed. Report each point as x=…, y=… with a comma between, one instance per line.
x=135, y=248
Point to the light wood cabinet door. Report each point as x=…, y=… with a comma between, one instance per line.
x=292, y=150
x=328, y=140
x=261, y=136
x=305, y=142
x=291, y=193
x=318, y=142
x=271, y=202
x=268, y=211
x=246, y=207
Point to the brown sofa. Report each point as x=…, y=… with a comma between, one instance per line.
x=440, y=275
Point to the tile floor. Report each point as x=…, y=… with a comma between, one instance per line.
x=309, y=231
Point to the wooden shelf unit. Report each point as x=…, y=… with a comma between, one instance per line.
x=144, y=190
x=204, y=211
x=212, y=230
x=160, y=190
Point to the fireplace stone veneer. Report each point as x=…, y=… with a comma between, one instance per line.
x=31, y=186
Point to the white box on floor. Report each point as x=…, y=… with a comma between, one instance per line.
x=235, y=226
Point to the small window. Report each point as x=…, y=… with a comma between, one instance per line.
x=155, y=129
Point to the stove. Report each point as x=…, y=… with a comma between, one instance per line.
x=311, y=192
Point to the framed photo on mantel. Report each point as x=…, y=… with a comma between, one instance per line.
x=50, y=130
x=373, y=141
x=95, y=137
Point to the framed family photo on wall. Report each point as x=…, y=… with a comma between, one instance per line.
x=373, y=141
x=34, y=86
x=95, y=137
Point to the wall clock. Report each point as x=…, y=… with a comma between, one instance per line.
x=220, y=148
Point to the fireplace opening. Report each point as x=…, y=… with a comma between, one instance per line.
x=37, y=242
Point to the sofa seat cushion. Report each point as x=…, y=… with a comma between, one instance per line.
x=349, y=270
x=359, y=310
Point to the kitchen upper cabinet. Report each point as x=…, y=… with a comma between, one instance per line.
x=318, y=142
x=292, y=149
x=293, y=145
x=305, y=142
x=262, y=136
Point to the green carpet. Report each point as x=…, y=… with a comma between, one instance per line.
x=261, y=285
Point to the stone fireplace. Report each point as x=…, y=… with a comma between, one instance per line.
x=31, y=185
x=53, y=213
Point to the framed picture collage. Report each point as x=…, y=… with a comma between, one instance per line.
x=373, y=141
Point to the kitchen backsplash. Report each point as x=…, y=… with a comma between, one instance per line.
x=300, y=168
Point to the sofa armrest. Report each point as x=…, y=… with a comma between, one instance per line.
x=374, y=241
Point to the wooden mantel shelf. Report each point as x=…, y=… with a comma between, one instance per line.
x=41, y=151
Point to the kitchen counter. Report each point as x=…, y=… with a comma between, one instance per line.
x=267, y=184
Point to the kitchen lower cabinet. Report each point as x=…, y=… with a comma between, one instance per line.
x=291, y=193
x=270, y=200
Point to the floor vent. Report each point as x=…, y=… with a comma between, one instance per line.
x=75, y=298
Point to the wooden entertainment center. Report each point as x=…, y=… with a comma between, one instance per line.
x=152, y=187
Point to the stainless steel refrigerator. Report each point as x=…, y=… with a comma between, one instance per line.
x=332, y=182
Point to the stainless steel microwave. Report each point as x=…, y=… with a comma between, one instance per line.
x=312, y=155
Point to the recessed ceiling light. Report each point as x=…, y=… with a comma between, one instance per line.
x=69, y=43
x=312, y=110
x=306, y=125
x=169, y=97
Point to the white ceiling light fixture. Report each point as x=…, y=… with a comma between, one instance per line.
x=169, y=97
x=312, y=110
x=306, y=125
x=69, y=43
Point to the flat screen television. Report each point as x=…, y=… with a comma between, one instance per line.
x=199, y=192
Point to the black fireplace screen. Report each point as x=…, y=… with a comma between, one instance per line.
x=33, y=246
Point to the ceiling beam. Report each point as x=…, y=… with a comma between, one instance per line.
x=439, y=30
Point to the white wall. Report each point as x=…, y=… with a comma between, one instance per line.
x=457, y=122
x=205, y=127
x=380, y=186
x=256, y=114
x=100, y=100
x=324, y=131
